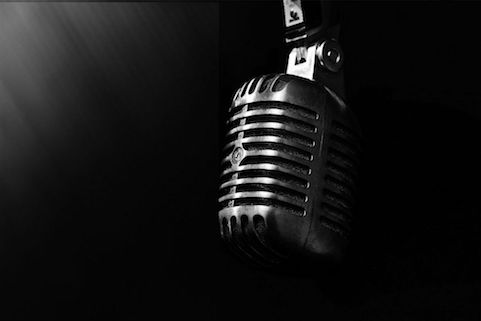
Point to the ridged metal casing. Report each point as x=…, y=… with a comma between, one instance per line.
x=288, y=171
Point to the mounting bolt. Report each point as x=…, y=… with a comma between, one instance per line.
x=330, y=55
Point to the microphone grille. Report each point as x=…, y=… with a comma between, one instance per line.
x=268, y=152
x=341, y=173
x=286, y=155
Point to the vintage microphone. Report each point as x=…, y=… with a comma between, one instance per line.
x=290, y=162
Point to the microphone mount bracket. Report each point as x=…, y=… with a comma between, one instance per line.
x=315, y=53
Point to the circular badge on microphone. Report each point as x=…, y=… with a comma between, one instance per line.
x=237, y=155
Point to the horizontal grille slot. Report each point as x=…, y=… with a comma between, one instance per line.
x=335, y=213
x=280, y=133
x=296, y=210
x=233, y=124
x=335, y=226
x=235, y=109
x=283, y=177
x=260, y=180
x=343, y=130
x=269, y=112
x=341, y=158
x=344, y=144
x=288, y=164
x=227, y=150
x=277, y=189
x=224, y=166
x=281, y=119
x=267, y=125
x=266, y=139
x=339, y=186
x=303, y=112
x=226, y=160
x=246, y=169
x=340, y=173
x=234, y=195
x=231, y=138
x=281, y=147
x=337, y=199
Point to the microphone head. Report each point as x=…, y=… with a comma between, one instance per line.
x=288, y=171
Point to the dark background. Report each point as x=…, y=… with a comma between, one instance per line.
x=108, y=140
x=111, y=119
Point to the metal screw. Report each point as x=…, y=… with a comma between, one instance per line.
x=330, y=55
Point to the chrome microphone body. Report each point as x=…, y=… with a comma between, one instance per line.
x=290, y=164
x=289, y=170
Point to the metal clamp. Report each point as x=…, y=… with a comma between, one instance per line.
x=315, y=53
x=302, y=61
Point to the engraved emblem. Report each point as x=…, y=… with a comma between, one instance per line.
x=237, y=155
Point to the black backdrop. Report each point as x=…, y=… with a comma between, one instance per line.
x=109, y=159
x=111, y=122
